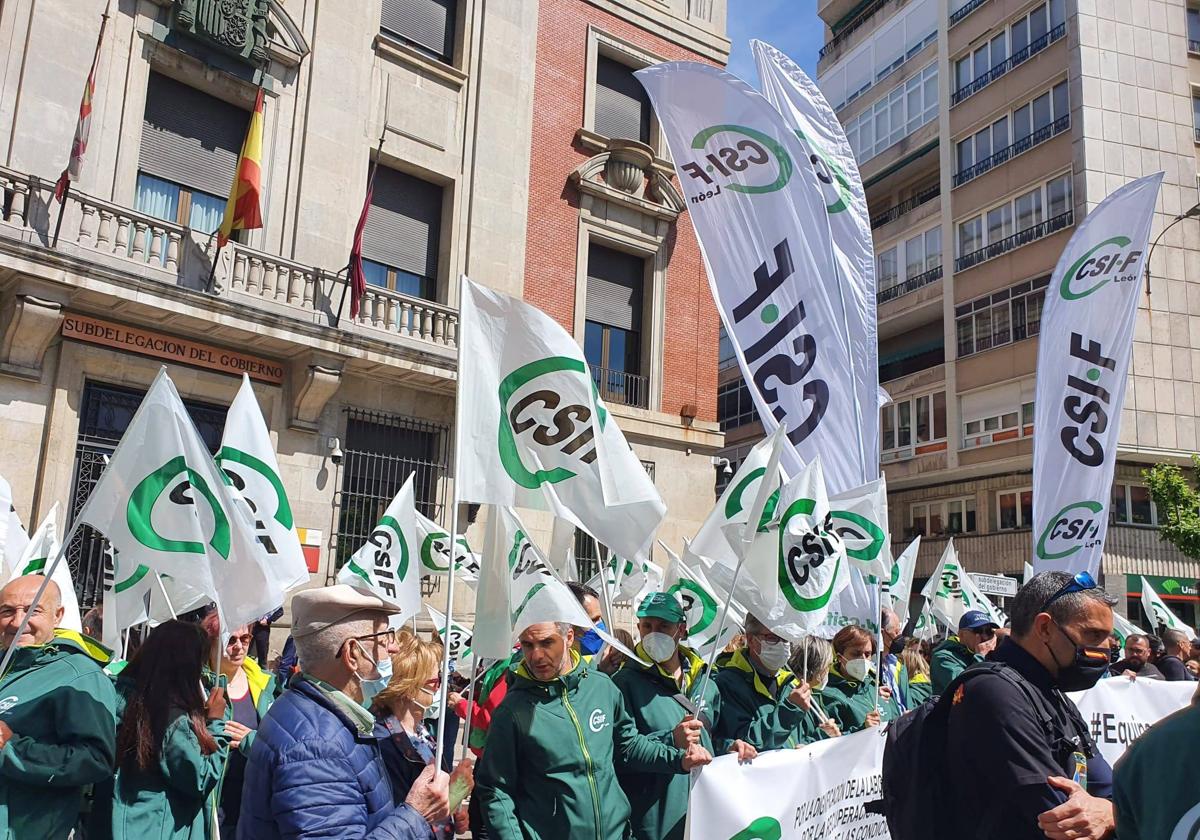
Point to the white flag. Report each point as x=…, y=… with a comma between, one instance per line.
x=628, y=581
x=248, y=458
x=41, y=550
x=434, y=549
x=460, y=640
x=1124, y=628
x=134, y=594
x=702, y=605
x=760, y=217
x=13, y=538
x=803, y=107
x=1159, y=613
x=387, y=562
x=857, y=604
x=900, y=582
x=163, y=503
x=562, y=549
x=1027, y=573
x=1084, y=348
x=926, y=627
x=534, y=431
x=860, y=516
x=951, y=592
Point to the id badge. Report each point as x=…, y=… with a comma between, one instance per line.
x=1080, y=774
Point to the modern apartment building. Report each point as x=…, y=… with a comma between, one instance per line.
x=513, y=144
x=984, y=132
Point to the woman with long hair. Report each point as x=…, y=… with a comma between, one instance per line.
x=400, y=707
x=171, y=741
x=920, y=687
x=251, y=690
x=850, y=694
x=810, y=662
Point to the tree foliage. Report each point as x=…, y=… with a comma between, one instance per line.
x=1178, y=504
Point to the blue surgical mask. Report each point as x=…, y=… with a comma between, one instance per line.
x=590, y=642
x=374, y=685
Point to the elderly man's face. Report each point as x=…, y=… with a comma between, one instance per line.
x=545, y=650
x=15, y=601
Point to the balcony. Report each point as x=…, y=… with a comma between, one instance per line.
x=1193, y=46
x=857, y=19
x=620, y=387
x=961, y=12
x=137, y=249
x=909, y=285
x=1021, y=237
x=1019, y=57
x=1007, y=153
x=897, y=210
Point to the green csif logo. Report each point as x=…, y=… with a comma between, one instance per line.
x=535, y=415
x=830, y=174
x=139, y=510
x=436, y=545
x=390, y=561
x=738, y=159
x=859, y=531
x=699, y=608
x=763, y=828
x=735, y=504
x=808, y=562
x=1101, y=263
x=1074, y=527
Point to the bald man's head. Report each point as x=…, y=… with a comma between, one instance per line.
x=16, y=598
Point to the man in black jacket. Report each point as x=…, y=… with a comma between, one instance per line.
x=1177, y=648
x=1137, y=660
x=1021, y=763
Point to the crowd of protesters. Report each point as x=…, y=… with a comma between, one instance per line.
x=194, y=737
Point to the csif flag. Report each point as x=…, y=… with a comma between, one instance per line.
x=41, y=550
x=950, y=592
x=460, y=640
x=761, y=220
x=860, y=516
x=243, y=210
x=13, y=538
x=1124, y=628
x=702, y=605
x=1160, y=614
x=857, y=604
x=248, y=459
x=534, y=431
x=628, y=581
x=433, y=547
x=899, y=583
x=1084, y=349
x=926, y=627
x=387, y=563
x=164, y=504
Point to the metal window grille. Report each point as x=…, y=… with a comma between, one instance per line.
x=381, y=451
x=105, y=415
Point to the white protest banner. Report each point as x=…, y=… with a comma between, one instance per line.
x=1119, y=709
x=248, y=458
x=39, y=551
x=760, y=216
x=387, y=563
x=1158, y=612
x=535, y=432
x=1084, y=347
x=820, y=790
x=899, y=584
x=803, y=107
x=433, y=547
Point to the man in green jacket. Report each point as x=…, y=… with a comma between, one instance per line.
x=655, y=696
x=762, y=702
x=549, y=767
x=976, y=637
x=57, y=716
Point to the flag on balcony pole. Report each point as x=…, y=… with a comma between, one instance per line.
x=243, y=210
x=535, y=432
x=1085, y=343
x=83, y=126
x=356, y=280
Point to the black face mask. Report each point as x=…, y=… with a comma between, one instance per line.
x=897, y=647
x=1114, y=655
x=1084, y=670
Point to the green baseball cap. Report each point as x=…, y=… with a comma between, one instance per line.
x=662, y=605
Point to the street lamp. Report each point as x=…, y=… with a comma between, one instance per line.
x=1190, y=214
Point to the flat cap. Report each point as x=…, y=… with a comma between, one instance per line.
x=314, y=610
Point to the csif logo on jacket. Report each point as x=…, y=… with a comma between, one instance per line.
x=597, y=720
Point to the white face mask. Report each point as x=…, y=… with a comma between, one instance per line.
x=774, y=655
x=659, y=646
x=824, y=682
x=857, y=669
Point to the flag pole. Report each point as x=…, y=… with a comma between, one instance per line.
x=605, y=595
x=350, y=265
x=37, y=596
x=458, y=412
x=162, y=588
x=475, y=675
x=62, y=205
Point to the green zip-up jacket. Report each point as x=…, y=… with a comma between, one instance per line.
x=849, y=702
x=175, y=800
x=949, y=659
x=754, y=712
x=548, y=772
x=658, y=802
x=61, y=708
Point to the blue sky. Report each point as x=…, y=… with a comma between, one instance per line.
x=789, y=25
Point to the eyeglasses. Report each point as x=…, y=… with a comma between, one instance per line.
x=387, y=635
x=244, y=641
x=1082, y=582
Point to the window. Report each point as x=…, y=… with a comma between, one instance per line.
x=910, y=423
x=735, y=406
x=954, y=516
x=993, y=144
x=403, y=233
x=1132, y=505
x=1029, y=209
x=1009, y=315
x=1026, y=36
x=427, y=25
x=1193, y=30
x=970, y=235
x=1014, y=223
x=612, y=340
x=902, y=111
x=1196, y=116
x=885, y=268
x=725, y=355
x=1058, y=196
x=188, y=156
x=622, y=106
x=998, y=428
x=1014, y=509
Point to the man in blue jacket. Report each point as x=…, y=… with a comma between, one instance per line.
x=315, y=769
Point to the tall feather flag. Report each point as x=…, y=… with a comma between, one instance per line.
x=83, y=127
x=243, y=210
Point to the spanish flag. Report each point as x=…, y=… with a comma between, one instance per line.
x=243, y=211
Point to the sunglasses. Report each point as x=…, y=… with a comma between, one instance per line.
x=1082, y=582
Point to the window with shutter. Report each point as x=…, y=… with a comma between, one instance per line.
x=612, y=330
x=427, y=25
x=622, y=106
x=403, y=233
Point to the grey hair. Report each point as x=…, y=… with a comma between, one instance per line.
x=1032, y=597
x=325, y=644
x=886, y=617
x=812, y=657
x=563, y=627
x=753, y=627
